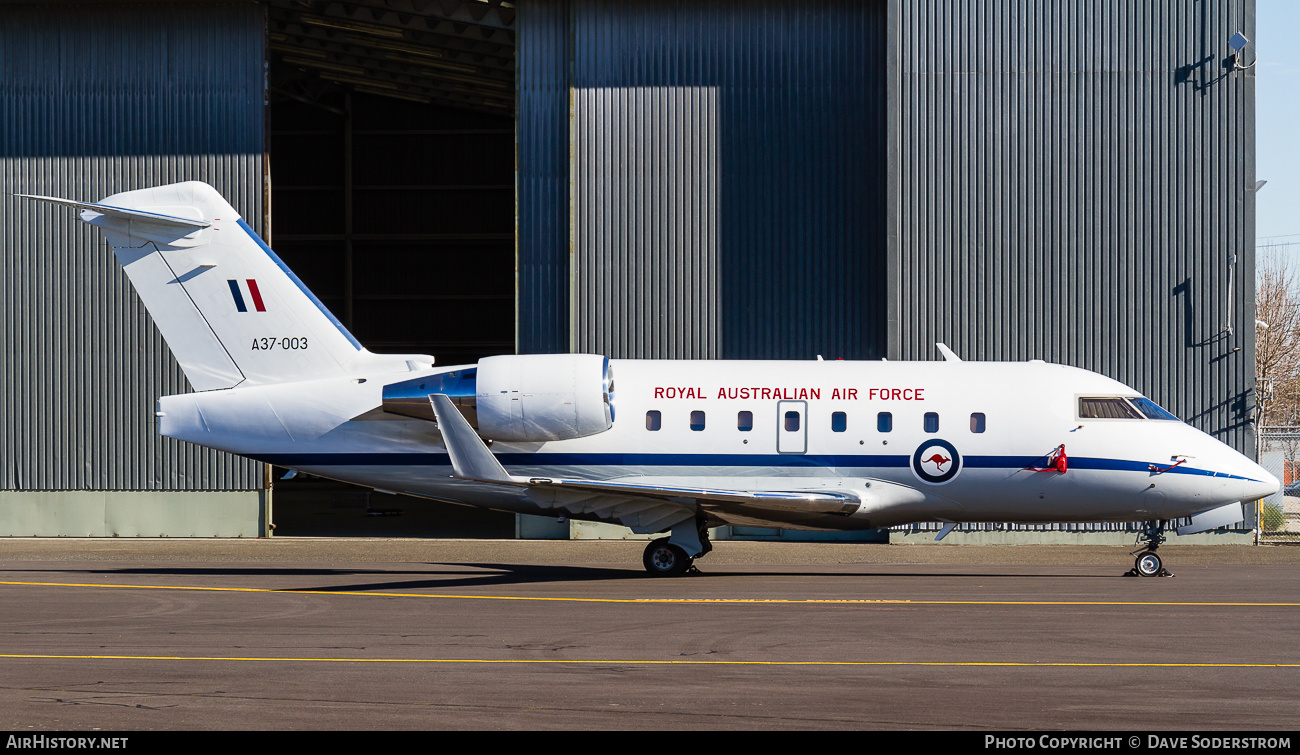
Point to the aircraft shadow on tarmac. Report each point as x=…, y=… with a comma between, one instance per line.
x=496, y=574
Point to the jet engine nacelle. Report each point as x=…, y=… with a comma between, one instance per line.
x=539, y=397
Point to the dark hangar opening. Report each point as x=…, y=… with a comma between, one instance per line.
x=392, y=170
x=391, y=173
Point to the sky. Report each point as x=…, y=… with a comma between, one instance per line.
x=1277, y=121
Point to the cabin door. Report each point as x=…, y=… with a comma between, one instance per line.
x=792, y=427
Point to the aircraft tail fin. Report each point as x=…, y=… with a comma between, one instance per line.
x=228, y=307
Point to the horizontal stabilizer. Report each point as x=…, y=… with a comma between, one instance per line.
x=121, y=212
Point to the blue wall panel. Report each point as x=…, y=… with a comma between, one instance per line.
x=791, y=167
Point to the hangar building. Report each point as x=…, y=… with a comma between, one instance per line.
x=780, y=179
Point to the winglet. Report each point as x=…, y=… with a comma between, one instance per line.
x=470, y=457
x=948, y=354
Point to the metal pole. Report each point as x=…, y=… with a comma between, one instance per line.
x=348, y=303
x=268, y=473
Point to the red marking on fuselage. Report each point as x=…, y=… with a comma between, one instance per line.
x=938, y=461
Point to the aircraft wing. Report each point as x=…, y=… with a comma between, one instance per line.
x=644, y=508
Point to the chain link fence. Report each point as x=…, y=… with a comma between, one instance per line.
x=1279, y=514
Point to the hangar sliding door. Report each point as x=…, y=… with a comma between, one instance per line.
x=702, y=180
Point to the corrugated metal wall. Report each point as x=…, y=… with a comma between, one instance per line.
x=725, y=174
x=645, y=222
x=1072, y=179
x=94, y=100
x=542, y=177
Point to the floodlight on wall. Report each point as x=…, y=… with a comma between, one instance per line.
x=1237, y=42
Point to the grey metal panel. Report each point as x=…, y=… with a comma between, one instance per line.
x=96, y=100
x=1071, y=180
x=542, y=178
x=770, y=188
x=645, y=231
x=100, y=513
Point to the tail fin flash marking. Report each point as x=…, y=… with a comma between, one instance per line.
x=257, y=296
x=239, y=297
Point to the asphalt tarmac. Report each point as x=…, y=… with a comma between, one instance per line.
x=313, y=634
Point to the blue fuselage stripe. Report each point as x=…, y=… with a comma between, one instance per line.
x=894, y=461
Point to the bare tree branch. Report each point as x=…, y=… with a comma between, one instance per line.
x=1277, y=342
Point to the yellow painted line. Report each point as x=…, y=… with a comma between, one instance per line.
x=662, y=601
x=624, y=662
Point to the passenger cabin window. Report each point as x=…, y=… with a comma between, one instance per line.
x=931, y=422
x=977, y=422
x=653, y=420
x=791, y=422
x=697, y=421
x=745, y=421
x=839, y=422
x=885, y=422
x=1107, y=408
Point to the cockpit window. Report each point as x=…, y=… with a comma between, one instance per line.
x=1151, y=409
x=1107, y=408
x=1116, y=407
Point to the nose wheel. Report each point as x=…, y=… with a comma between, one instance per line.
x=1148, y=562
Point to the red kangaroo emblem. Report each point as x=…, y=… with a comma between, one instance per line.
x=938, y=460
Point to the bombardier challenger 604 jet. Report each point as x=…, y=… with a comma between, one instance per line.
x=678, y=446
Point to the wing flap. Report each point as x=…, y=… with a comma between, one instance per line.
x=801, y=501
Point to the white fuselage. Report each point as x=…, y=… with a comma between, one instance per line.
x=1116, y=469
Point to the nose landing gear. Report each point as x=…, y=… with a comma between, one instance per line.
x=1148, y=562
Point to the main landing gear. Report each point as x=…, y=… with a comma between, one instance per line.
x=1148, y=562
x=675, y=555
x=663, y=559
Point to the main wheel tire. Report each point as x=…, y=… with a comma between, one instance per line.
x=663, y=559
x=1148, y=564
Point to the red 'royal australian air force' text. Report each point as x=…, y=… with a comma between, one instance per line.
x=791, y=393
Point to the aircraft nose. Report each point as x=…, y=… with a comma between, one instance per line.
x=1251, y=480
x=1267, y=485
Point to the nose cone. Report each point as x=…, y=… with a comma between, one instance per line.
x=1249, y=481
x=1263, y=484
